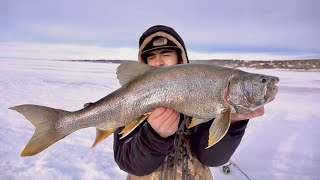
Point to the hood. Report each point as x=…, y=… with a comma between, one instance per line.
x=163, y=31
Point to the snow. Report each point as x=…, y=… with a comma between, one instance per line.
x=282, y=144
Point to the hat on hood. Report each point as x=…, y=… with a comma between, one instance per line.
x=158, y=37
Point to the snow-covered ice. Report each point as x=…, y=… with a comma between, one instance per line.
x=282, y=144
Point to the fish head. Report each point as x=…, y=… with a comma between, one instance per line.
x=247, y=92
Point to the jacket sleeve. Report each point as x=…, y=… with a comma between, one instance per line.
x=221, y=152
x=143, y=152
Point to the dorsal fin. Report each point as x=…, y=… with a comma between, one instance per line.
x=130, y=70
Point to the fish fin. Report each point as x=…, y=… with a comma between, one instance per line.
x=196, y=121
x=131, y=126
x=188, y=120
x=219, y=128
x=101, y=134
x=128, y=71
x=45, y=120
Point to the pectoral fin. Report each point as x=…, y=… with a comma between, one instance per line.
x=196, y=121
x=131, y=126
x=219, y=128
x=101, y=134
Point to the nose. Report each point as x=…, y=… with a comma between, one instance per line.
x=159, y=61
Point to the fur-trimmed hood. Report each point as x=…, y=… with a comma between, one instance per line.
x=164, y=31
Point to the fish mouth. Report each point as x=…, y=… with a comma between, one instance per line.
x=271, y=93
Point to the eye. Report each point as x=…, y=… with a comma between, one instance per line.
x=150, y=57
x=263, y=80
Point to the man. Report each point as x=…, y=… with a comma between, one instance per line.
x=163, y=148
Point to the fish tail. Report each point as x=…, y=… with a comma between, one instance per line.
x=45, y=120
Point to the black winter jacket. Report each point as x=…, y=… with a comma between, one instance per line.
x=143, y=151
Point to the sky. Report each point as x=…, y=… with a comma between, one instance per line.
x=105, y=29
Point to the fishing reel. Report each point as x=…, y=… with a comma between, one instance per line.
x=226, y=169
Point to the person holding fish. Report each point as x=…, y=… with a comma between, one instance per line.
x=164, y=147
x=179, y=119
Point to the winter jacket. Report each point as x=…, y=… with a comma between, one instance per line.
x=144, y=151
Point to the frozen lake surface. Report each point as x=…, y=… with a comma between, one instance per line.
x=283, y=144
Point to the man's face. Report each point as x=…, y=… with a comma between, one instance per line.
x=162, y=57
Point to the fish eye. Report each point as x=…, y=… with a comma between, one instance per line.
x=263, y=80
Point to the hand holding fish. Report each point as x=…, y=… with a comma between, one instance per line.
x=235, y=117
x=164, y=121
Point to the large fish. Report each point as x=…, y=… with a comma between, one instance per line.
x=201, y=91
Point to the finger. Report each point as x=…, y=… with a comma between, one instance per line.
x=258, y=112
x=166, y=114
x=170, y=126
x=157, y=112
x=272, y=99
x=157, y=122
x=237, y=117
x=171, y=120
x=167, y=119
x=175, y=125
x=177, y=120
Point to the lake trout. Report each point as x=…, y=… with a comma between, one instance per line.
x=200, y=91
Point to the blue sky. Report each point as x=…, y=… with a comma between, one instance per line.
x=106, y=29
